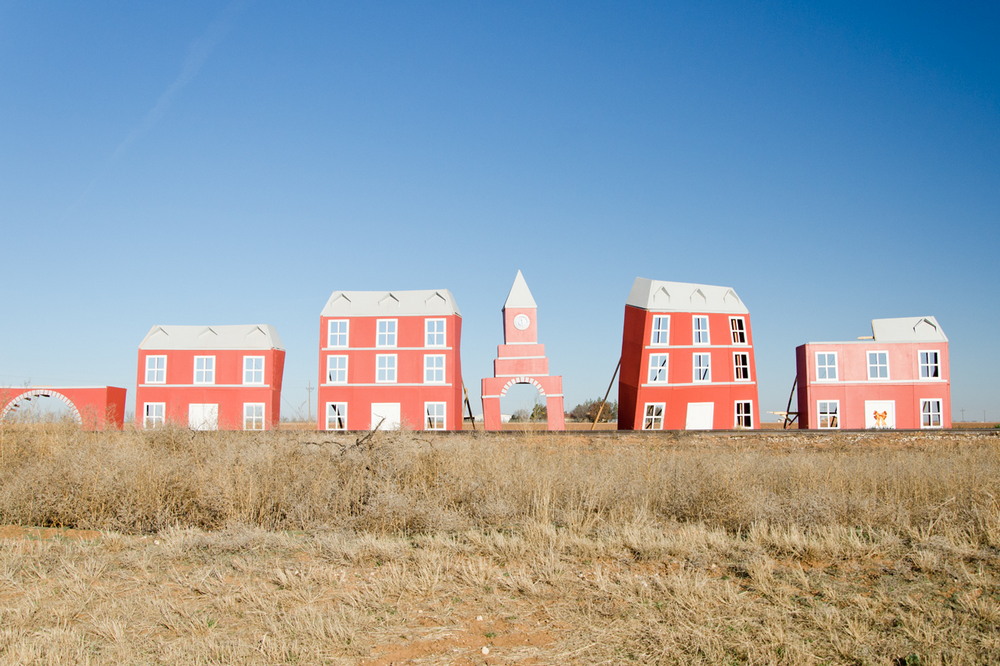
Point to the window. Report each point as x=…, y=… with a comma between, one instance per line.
x=336, y=333
x=826, y=366
x=156, y=369
x=204, y=369
x=434, y=369
x=336, y=416
x=878, y=365
x=152, y=414
x=253, y=416
x=738, y=327
x=434, y=330
x=661, y=330
x=336, y=369
x=702, y=367
x=386, y=333
x=741, y=366
x=930, y=413
x=385, y=368
x=744, y=414
x=930, y=366
x=253, y=369
x=658, y=368
x=653, y=419
x=700, y=325
x=434, y=416
x=829, y=414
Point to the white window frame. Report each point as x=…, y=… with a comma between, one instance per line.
x=335, y=337
x=385, y=332
x=746, y=417
x=154, y=414
x=699, y=335
x=651, y=417
x=434, y=366
x=659, y=369
x=926, y=403
x=339, y=413
x=926, y=364
x=744, y=366
x=876, y=366
x=252, y=374
x=701, y=373
x=435, y=332
x=738, y=330
x=438, y=419
x=156, y=373
x=826, y=366
x=832, y=417
x=207, y=370
x=385, y=368
x=336, y=369
x=659, y=335
x=253, y=416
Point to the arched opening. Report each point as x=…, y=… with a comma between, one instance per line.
x=41, y=406
x=523, y=402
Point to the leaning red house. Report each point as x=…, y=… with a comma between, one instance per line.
x=897, y=378
x=210, y=377
x=390, y=359
x=687, y=359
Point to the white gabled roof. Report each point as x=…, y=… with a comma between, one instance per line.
x=239, y=336
x=519, y=295
x=390, y=303
x=908, y=329
x=662, y=296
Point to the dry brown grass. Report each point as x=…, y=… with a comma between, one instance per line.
x=304, y=548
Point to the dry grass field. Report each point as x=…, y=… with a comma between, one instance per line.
x=512, y=548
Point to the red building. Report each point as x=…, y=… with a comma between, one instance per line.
x=521, y=360
x=687, y=359
x=897, y=378
x=390, y=359
x=210, y=377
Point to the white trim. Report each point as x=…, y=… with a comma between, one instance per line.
x=743, y=330
x=937, y=364
x=835, y=366
x=263, y=365
x=341, y=414
x=695, y=367
x=654, y=331
x=862, y=382
x=444, y=415
x=436, y=349
x=391, y=333
x=246, y=386
x=662, y=416
x=443, y=332
x=689, y=384
x=869, y=366
x=384, y=384
x=208, y=371
x=698, y=347
x=346, y=358
x=819, y=415
x=263, y=417
x=435, y=370
x=694, y=331
x=346, y=333
x=940, y=413
x=394, y=369
x=161, y=419
x=749, y=377
x=663, y=367
x=749, y=415
x=156, y=370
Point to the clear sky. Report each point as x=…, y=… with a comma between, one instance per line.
x=223, y=162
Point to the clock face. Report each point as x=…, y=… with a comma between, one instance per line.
x=522, y=322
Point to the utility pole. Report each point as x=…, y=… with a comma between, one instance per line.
x=963, y=416
x=309, y=402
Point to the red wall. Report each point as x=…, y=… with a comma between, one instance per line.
x=723, y=390
x=409, y=390
x=228, y=391
x=853, y=388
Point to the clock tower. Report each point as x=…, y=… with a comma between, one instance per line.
x=521, y=360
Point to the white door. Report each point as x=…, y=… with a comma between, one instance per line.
x=386, y=413
x=203, y=417
x=699, y=415
x=875, y=410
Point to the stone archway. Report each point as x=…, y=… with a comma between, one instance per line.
x=17, y=401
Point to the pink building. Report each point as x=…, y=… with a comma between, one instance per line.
x=687, y=359
x=897, y=378
x=390, y=359
x=521, y=360
x=210, y=377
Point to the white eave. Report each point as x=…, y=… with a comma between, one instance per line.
x=519, y=295
x=662, y=296
x=238, y=336
x=432, y=302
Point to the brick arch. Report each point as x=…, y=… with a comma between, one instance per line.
x=28, y=394
x=523, y=380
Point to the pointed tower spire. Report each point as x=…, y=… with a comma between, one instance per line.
x=519, y=296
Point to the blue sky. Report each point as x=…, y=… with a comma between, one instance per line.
x=235, y=162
